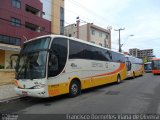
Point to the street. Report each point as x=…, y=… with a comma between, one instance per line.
x=132, y=96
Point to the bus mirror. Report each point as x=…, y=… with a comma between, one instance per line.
x=13, y=59
x=14, y=55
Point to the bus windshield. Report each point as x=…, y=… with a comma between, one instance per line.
x=156, y=64
x=147, y=66
x=31, y=63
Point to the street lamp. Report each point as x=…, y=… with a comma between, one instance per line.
x=126, y=40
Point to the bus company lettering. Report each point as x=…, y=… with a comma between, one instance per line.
x=94, y=64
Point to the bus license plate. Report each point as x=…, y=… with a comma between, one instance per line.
x=24, y=93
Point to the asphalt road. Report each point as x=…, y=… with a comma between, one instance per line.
x=133, y=96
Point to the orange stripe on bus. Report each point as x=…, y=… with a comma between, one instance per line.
x=110, y=73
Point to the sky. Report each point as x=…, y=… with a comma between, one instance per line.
x=140, y=18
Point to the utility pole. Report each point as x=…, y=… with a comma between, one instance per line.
x=78, y=22
x=119, y=30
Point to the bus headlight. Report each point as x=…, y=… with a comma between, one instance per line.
x=39, y=86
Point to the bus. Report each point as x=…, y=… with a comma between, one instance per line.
x=135, y=66
x=148, y=67
x=53, y=65
x=156, y=66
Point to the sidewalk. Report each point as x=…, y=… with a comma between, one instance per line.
x=7, y=92
x=6, y=85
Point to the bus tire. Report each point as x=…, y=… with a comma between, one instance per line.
x=74, y=88
x=118, y=79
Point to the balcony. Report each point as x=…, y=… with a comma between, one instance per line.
x=32, y=10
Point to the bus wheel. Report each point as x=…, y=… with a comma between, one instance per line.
x=74, y=88
x=118, y=79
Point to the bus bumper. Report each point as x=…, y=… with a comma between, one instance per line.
x=42, y=93
x=156, y=71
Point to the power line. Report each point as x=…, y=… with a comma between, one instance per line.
x=101, y=18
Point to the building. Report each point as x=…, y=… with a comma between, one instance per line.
x=21, y=20
x=57, y=13
x=134, y=52
x=91, y=33
x=146, y=52
x=141, y=53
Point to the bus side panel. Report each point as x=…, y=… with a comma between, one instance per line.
x=90, y=73
x=123, y=72
x=58, y=89
x=86, y=83
x=139, y=70
x=117, y=68
x=156, y=71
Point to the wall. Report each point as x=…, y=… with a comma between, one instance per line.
x=7, y=12
x=7, y=76
x=83, y=32
x=55, y=26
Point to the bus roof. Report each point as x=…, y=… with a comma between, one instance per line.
x=148, y=63
x=72, y=38
x=156, y=59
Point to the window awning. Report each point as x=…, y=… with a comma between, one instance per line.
x=9, y=47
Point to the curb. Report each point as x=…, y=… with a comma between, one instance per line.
x=10, y=99
x=9, y=83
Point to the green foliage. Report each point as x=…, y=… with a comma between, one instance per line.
x=1, y=66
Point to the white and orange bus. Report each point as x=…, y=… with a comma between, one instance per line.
x=53, y=65
x=156, y=66
x=135, y=66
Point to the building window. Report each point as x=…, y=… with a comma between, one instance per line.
x=32, y=10
x=62, y=27
x=93, y=32
x=61, y=20
x=10, y=40
x=107, y=36
x=43, y=13
x=16, y=3
x=100, y=34
x=70, y=35
x=105, y=43
x=42, y=29
x=15, y=22
x=32, y=27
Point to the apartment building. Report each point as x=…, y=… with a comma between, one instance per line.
x=141, y=53
x=21, y=20
x=91, y=33
x=134, y=52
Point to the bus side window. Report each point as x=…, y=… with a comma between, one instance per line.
x=58, y=56
x=128, y=65
x=53, y=62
